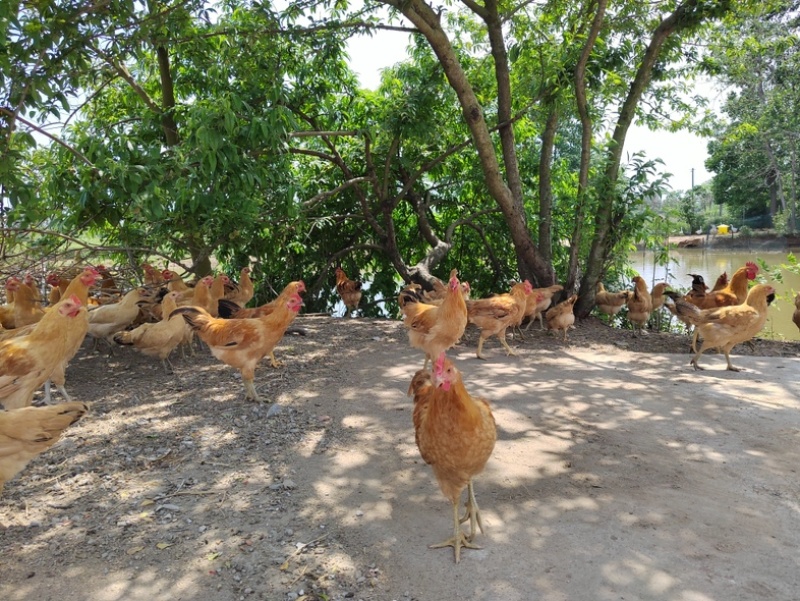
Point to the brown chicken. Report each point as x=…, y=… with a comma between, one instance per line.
x=158, y=339
x=437, y=295
x=537, y=303
x=152, y=276
x=29, y=431
x=228, y=309
x=27, y=309
x=26, y=362
x=725, y=327
x=7, y=309
x=242, y=343
x=31, y=283
x=434, y=329
x=174, y=282
x=657, y=295
x=796, y=314
x=562, y=316
x=455, y=434
x=243, y=291
x=107, y=320
x=732, y=294
x=640, y=304
x=610, y=303
x=494, y=315
x=349, y=290
x=215, y=293
x=199, y=296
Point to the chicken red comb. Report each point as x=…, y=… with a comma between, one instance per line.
x=75, y=300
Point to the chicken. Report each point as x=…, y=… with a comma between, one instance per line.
x=434, y=329
x=349, y=290
x=109, y=291
x=229, y=309
x=107, y=320
x=455, y=434
x=57, y=285
x=439, y=292
x=199, y=296
x=243, y=291
x=158, y=339
x=657, y=295
x=733, y=294
x=7, y=310
x=725, y=327
x=610, y=303
x=640, y=304
x=538, y=301
x=27, y=309
x=722, y=281
x=215, y=293
x=562, y=317
x=79, y=287
x=29, y=431
x=496, y=314
x=31, y=283
x=152, y=276
x=26, y=362
x=174, y=282
x=242, y=343
x=796, y=314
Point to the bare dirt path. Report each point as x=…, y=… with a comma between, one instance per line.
x=618, y=474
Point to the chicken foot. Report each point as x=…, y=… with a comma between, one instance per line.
x=471, y=513
x=459, y=539
x=250, y=390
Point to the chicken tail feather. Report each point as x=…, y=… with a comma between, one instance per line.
x=194, y=316
x=227, y=308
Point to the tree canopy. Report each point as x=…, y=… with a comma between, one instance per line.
x=236, y=132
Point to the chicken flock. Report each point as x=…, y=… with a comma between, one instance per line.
x=454, y=430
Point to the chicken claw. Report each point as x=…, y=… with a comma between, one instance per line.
x=458, y=540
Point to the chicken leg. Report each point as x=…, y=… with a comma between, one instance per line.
x=459, y=539
x=471, y=513
x=502, y=337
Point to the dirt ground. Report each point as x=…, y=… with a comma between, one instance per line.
x=619, y=473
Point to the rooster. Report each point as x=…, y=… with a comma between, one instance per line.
x=349, y=290
x=725, y=327
x=455, y=434
x=242, y=343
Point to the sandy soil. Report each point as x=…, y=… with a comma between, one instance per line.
x=619, y=473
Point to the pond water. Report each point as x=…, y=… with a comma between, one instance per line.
x=711, y=263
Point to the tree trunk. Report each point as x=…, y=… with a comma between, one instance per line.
x=529, y=262
x=686, y=16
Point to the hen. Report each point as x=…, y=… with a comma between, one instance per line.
x=174, y=282
x=27, y=432
x=538, y=301
x=455, y=434
x=107, y=320
x=26, y=362
x=158, y=339
x=640, y=304
x=610, y=303
x=229, y=309
x=243, y=291
x=796, y=314
x=725, y=327
x=562, y=316
x=496, y=314
x=242, y=343
x=27, y=309
x=349, y=290
x=436, y=328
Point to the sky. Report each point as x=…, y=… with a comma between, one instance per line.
x=681, y=151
